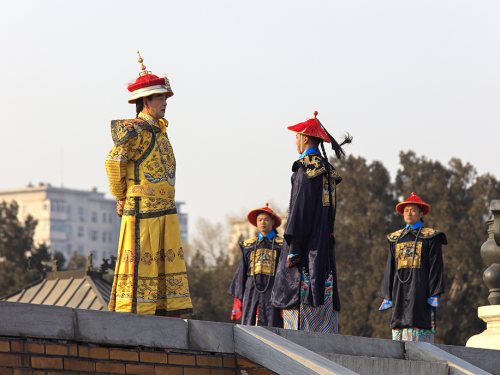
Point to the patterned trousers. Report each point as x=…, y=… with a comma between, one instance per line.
x=322, y=318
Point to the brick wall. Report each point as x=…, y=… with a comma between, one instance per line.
x=47, y=357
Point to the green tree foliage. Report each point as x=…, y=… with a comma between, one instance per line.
x=16, y=247
x=77, y=262
x=209, y=273
x=365, y=214
x=61, y=260
x=208, y=287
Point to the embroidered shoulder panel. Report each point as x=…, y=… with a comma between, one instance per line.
x=279, y=240
x=394, y=236
x=314, y=165
x=123, y=130
x=250, y=242
x=425, y=233
x=429, y=233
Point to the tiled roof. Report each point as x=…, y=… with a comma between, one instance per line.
x=76, y=289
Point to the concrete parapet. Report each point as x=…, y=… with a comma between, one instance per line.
x=386, y=366
x=281, y=355
x=422, y=351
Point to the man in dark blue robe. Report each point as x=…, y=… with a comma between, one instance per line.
x=306, y=279
x=254, y=278
x=414, y=274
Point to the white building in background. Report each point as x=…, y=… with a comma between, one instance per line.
x=74, y=220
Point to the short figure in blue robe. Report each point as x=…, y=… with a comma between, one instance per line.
x=254, y=278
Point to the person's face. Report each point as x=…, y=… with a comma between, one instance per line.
x=412, y=214
x=157, y=105
x=265, y=223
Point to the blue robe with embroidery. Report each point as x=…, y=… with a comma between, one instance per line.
x=309, y=244
x=247, y=277
x=422, y=269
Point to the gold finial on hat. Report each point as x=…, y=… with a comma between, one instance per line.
x=143, y=68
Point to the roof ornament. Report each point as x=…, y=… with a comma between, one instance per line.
x=90, y=263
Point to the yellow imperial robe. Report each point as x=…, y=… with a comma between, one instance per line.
x=150, y=276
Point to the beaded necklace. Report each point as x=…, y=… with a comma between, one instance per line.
x=255, y=264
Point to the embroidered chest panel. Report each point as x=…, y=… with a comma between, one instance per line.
x=160, y=164
x=262, y=261
x=407, y=256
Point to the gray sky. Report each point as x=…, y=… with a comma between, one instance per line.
x=397, y=75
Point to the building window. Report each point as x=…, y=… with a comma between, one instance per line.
x=81, y=231
x=110, y=237
x=93, y=235
x=81, y=213
x=110, y=218
x=69, y=248
x=104, y=217
x=105, y=255
x=104, y=236
x=81, y=249
x=94, y=217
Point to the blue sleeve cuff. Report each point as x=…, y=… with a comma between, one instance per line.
x=434, y=301
x=385, y=305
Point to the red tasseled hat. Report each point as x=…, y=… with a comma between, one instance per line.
x=414, y=199
x=146, y=81
x=311, y=127
x=148, y=84
x=252, y=216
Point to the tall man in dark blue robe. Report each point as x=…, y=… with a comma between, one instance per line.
x=254, y=278
x=306, y=279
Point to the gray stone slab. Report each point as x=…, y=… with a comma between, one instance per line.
x=37, y=321
x=487, y=359
x=386, y=366
x=495, y=205
x=342, y=344
x=280, y=355
x=210, y=336
x=113, y=328
x=422, y=351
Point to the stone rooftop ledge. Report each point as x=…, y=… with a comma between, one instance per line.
x=112, y=328
x=277, y=348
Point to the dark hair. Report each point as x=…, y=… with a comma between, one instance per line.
x=139, y=104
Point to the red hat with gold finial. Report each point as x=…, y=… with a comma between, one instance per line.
x=252, y=216
x=311, y=127
x=413, y=199
x=148, y=84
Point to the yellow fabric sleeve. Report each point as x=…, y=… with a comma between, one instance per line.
x=116, y=163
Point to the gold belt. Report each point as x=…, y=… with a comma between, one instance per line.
x=161, y=192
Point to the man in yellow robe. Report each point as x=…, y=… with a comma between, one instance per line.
x=150, y=276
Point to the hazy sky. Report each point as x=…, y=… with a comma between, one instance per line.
x=397, y=75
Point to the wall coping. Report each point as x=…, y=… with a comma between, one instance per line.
x=131, y=330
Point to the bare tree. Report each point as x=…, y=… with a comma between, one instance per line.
x=210, y=240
